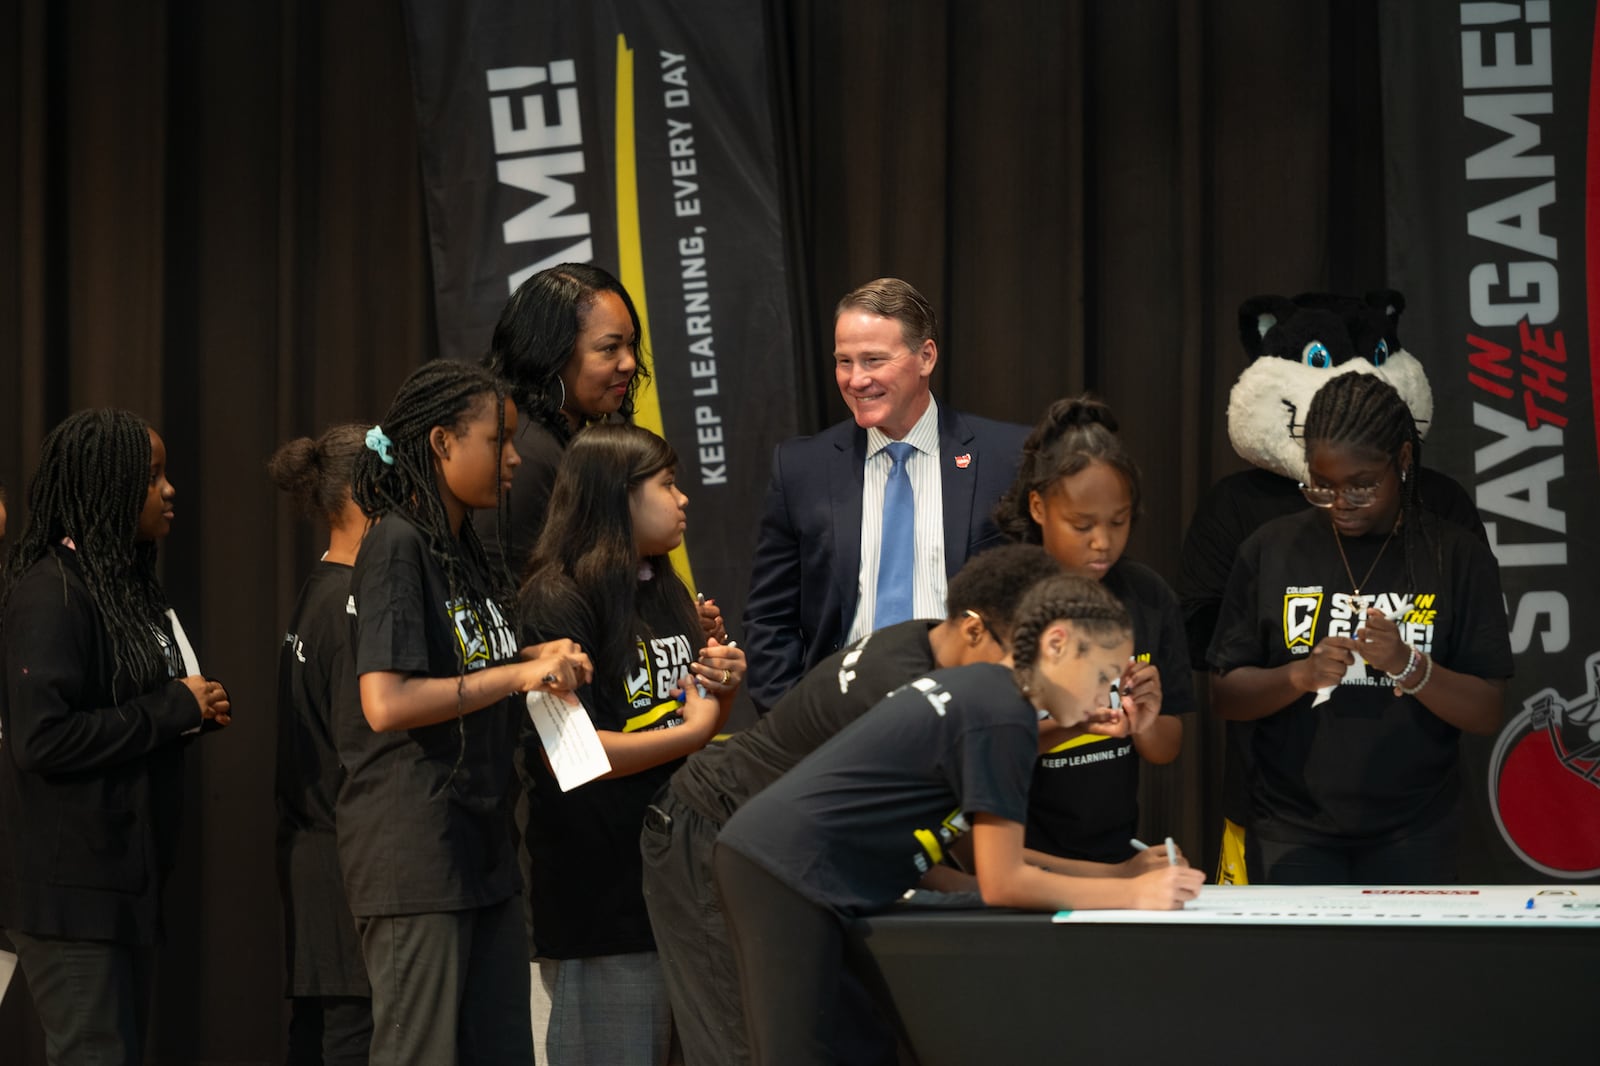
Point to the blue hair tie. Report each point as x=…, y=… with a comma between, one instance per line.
x=380, y=443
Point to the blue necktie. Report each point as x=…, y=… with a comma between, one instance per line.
x=898, y=548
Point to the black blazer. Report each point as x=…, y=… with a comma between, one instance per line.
x=807, y=563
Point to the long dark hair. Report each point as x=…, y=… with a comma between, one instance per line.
x=441, y=393
x=1073, y=433
x=91, y=485
x=317, y=473
x=1364, y=411
x=585, y=577
x=537, y=336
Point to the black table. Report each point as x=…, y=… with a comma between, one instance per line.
x=991, y=988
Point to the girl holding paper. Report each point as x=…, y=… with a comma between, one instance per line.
x=1397, y=611
x=96, y=710
x=600, y=574
x=424, y=815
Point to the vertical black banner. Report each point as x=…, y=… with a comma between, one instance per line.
x=637, y=135
x=1493, y=177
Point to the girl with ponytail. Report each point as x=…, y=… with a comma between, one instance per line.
x=424, y=814
x=950, y=752
x=1077, y=493
x=330, y=1019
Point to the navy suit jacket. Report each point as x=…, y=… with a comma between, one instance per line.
x=807, y=563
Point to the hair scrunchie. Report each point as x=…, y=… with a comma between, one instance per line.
x=379, y=442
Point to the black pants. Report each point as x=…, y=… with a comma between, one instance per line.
x=790, y=954
x=329, y=1030
x=92, y=998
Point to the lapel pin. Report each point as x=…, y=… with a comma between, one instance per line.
x=963, y=460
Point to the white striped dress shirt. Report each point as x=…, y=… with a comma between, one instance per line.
x=928, y=598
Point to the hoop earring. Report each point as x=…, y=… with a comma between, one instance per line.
x=561, y=405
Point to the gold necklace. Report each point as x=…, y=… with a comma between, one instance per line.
x=1338, y=542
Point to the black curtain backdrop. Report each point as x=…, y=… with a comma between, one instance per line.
x=215, y=218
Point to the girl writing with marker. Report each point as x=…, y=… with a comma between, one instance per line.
x=600, y=574
x=861, y=819
x=1077, y=493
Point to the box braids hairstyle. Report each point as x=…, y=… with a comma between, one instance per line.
x=90, y=485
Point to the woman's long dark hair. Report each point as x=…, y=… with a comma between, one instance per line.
x=91, y=485
x=585, y=577
x=441, y=393
x=1073, y=433
x=1364, y=411
x=537, y=335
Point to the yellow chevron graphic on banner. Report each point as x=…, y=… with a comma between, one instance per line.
x=630, y=262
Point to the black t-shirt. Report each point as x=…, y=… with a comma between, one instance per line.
x=719, y=779
x=1084, y=803
x=316, y=673
x=1242, y=503
x=424, y=815
x=526, y=501
x=1365, y=765
x=863, y=817
x=583, y=846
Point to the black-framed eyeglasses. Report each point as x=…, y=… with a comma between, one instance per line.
x=1354, y=495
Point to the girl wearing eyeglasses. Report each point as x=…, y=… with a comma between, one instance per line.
x=1363, y=635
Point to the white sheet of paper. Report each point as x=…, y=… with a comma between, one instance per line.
x=191, y=664
x=569, y=739
x=1357, y=669
x=8, y=966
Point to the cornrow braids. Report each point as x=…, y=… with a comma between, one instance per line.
x=445, y=393
x=317, y=473
x=90, y=485
x=1364, y=411
x=1064, y=597
x=1074, y=432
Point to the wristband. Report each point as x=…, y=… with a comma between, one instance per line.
x=1411, y=664
x=1427, y=672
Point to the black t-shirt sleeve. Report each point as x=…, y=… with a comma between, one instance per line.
x=1236, y=641
x=389, y=593
x=1482, y=646
x=996, y=768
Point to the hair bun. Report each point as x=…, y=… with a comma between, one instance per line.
x=1085, y=410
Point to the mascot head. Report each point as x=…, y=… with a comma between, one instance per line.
x=1294, y=347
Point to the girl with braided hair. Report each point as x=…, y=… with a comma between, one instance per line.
x=1077, y=493
x=1362, y=636
x=862, y=818
x=95, y=713
x=330, y=1019
x=424, y=814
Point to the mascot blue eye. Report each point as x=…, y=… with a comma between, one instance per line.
x=1380, y=354
x=1315, y=355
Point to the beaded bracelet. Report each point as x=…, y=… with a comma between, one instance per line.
x=1427, y=672
x=1411, y=664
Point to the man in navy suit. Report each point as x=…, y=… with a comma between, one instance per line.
x=815, y=575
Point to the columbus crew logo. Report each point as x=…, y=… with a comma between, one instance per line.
x=1544, y=780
